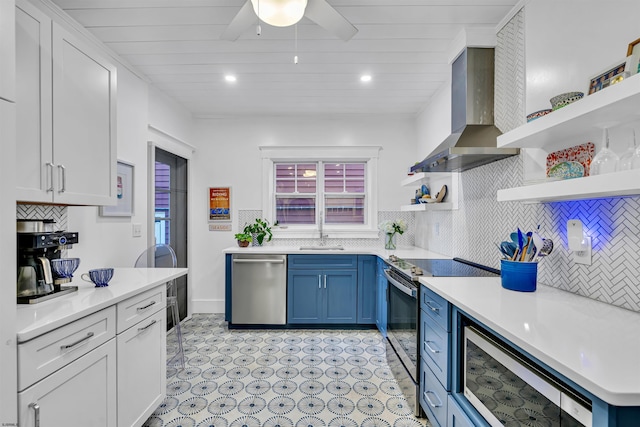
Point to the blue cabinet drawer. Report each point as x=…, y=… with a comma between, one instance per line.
x=433, y=397
x=436, y=307
x=323, y=261
x=434, y=348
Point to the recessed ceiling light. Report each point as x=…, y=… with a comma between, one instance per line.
x=230, y=78
x=365, y=78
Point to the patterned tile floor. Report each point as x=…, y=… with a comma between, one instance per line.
x=280, y=378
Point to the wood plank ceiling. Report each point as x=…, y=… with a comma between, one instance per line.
x=402, y=44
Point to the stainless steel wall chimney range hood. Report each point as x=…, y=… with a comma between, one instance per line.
x=472, y=142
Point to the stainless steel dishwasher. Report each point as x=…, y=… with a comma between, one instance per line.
x=259, y=289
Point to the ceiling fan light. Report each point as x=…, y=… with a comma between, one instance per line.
x=279, y=13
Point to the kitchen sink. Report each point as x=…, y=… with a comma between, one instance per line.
x=321, y=248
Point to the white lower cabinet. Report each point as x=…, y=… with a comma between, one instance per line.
x=86, y=374
x=141, y=369
x=83, y=393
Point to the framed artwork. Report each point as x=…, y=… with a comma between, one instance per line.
x=611, y=75
x=219, y=204
x=633, y=57
x=124, y=192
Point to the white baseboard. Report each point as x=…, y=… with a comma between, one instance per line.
x=210, y=306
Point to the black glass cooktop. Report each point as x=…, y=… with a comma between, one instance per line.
x=456, y=267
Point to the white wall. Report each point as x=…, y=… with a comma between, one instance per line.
x=569, y=41
x=227, y=154
x=108, y=241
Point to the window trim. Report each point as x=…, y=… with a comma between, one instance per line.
x=338, y=154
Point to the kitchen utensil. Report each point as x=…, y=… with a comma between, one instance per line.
x=514, y=237
x=508, y=249
x=520, y=240
x=63, y=268
x=537, y=244
x=606, y=161
x=582, y=154
x=537, y=114
x=565, y=99
x=35, y=225
x=547, y=248
x=99, y=276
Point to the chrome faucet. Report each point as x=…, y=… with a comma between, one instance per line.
x=320, y=228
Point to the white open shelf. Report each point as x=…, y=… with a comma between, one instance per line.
x=585, y=118
x=444, y=206
x=435, y=181
x=618, y=184
x=577, y=123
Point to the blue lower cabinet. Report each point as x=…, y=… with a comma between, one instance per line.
x=435, y=348
x=381, y=298
x=304, y=296
x=433, y=396
x=322, y=296
x=456, y=416
x=341, y=296
x=367, y=287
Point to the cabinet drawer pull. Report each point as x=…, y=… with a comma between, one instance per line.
x=36, y=413
x=319, y=281
x=146, y=306
x=68, y=346
x=50, y=177
x=147, y=327
x=63, y=171
x=433, y=405
x=325, y=281
x=432, y=308
x=431, y=349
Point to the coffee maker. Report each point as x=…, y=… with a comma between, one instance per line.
x=36, y=282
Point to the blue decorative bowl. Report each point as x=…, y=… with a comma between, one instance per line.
x=65, y=267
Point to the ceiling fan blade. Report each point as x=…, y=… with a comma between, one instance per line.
x=323, y=14
x=240, y=23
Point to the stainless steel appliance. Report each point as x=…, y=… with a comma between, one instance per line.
x=508, y=389
x=259, y=289
x=403, y=314
x=36, y=281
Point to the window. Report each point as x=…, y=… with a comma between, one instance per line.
x=311, y=191
x=298, y=196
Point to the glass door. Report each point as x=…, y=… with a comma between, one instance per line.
x=171, y=212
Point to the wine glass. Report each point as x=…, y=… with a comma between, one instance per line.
x=606, y=161
x=626, y=160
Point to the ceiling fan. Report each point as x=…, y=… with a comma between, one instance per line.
x=318, y=11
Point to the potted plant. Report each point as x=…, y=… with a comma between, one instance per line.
x=259, y=230
x=243, y=239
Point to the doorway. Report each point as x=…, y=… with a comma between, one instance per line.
x=170, y=214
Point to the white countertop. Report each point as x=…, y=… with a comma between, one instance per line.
x=36, y=319
x=406, y=252
x=594, y=344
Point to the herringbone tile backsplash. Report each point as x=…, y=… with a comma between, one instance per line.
x=56, y=213
x=470, y=232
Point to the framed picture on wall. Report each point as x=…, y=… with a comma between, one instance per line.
x=633, y=57
x=124, y=192
x=611, y=75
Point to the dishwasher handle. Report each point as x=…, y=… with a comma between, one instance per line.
x=258, y=261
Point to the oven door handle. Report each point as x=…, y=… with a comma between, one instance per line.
x=400, y=286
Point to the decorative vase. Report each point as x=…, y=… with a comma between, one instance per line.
x=390, y=241
x=254, y=240
x=243, y=243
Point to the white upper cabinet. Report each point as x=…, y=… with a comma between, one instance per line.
x=66, y=98
x=7, y=50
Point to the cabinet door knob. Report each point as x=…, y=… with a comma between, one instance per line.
x=36, y=413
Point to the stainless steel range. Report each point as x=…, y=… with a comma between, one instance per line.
x=403, y=306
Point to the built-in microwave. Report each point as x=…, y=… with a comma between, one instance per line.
x=508, y=389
